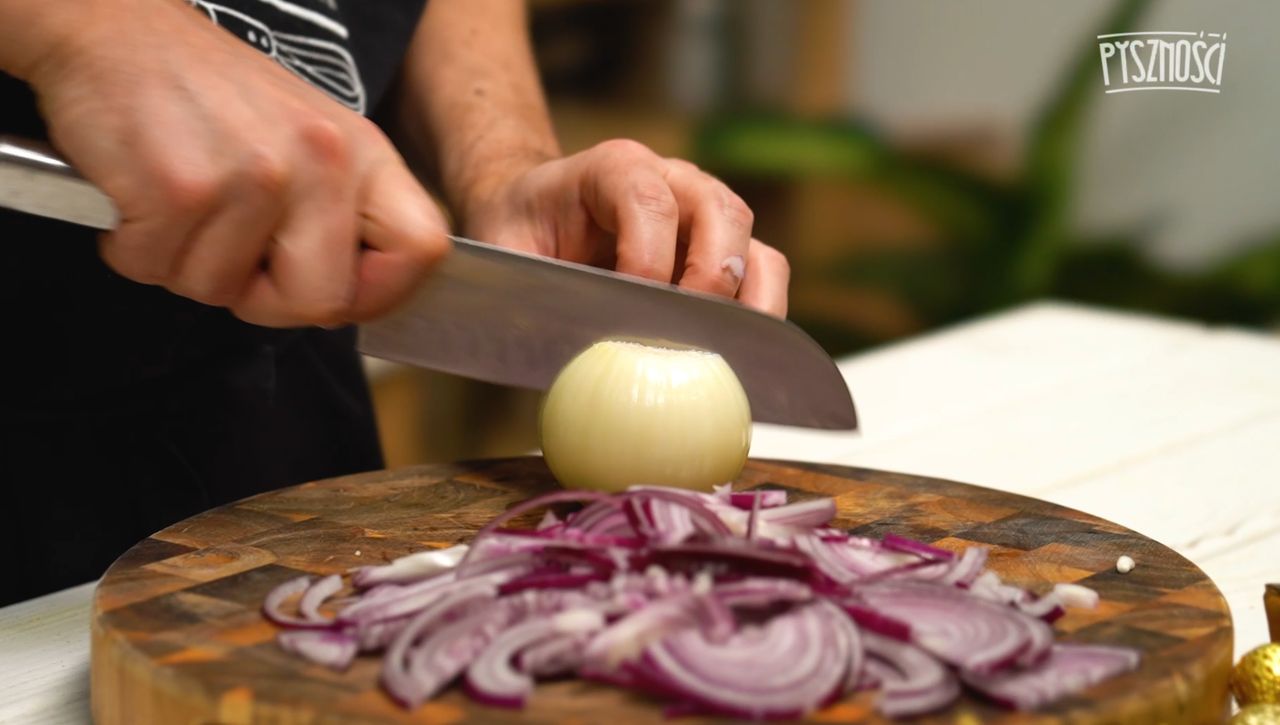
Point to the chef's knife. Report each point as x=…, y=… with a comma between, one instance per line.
x=516, y=319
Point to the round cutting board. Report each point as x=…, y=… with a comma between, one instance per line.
x=178, y=636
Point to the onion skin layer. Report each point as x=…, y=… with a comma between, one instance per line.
x=625, y=413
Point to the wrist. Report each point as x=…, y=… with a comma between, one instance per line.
x=47, y=29
x=473, y=189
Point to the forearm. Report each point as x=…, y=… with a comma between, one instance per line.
x=470, y=98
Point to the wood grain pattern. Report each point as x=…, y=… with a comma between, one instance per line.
x=177, y=636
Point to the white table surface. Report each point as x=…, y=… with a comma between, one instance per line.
x=1167, y=427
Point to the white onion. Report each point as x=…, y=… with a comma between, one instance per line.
x=624, y=413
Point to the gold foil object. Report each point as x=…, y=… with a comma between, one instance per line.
x=1271, y=600
x=1257, y=715
x=1256, y=677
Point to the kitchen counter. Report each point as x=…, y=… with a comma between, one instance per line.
x=1165, y=426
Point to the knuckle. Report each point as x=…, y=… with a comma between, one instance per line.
x=735, y=209
x=185, y=191
x=683, y=166
x=265, y=173
x=624, y=148
x=655, y=201
x=325, y=142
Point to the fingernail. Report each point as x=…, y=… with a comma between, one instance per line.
x=736, y=266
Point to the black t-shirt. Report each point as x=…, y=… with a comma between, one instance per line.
x=76, y=332
x=124, y=408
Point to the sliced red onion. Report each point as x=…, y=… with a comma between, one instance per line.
x=404, y=684
x=317, y=594
x=1068, y=669
x=549, y=521
x=746, y=559
x=843, y=562
x=493, y=680
x=911, y=682
x=626, y=638
x=411, y=568
x=761, y=592
x=704, y=519
x=919, y=548
x=400, y=602
x=552, y=579
x=967, y=567
x=603, y=518
x=857, y=651
x=660, y=521
x=557, y=655
x=763, y=498
x=971, y=633
x=1039, y=640
x=753, y=517
x=272, y=607
x=375, y=636
x=788, y=667
x=875, y=621
x=807, y=514
x=700, y=614
x=329, y=648
x=545, y=499
x=1049, y=607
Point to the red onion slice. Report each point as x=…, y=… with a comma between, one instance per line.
x=401, y=682
x=626, y=638
x=764, y=498
x=807, y=514
x=493, y=680
x=745, y=559
x=399, y=602
x=911, y=682
x=411, y=568
x=317, y=594
x=272, y=606
x=761, y=592
x=919, y=548
x=704, y=519
x=324, y=647
x=874, y=621
x=660, y=521
x=966, y=631
x=788, y=667
x=558, y=655
x=967, y=567
x=847, y=561
x=1068, y=669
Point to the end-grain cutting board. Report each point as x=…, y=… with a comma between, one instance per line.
x=178, y=637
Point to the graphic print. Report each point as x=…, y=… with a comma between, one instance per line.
x=323, y=63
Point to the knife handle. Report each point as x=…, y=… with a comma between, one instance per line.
x=35, y=179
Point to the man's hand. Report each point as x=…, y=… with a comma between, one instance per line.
x=238, y=184
x=621, y=206
x=470, y=100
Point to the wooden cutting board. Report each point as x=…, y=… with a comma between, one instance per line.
x=178, y=637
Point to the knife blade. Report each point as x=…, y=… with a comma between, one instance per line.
x=516, y=319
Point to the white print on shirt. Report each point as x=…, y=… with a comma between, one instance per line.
x=322, y=63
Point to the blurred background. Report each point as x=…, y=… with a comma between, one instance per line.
x=920, y=163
